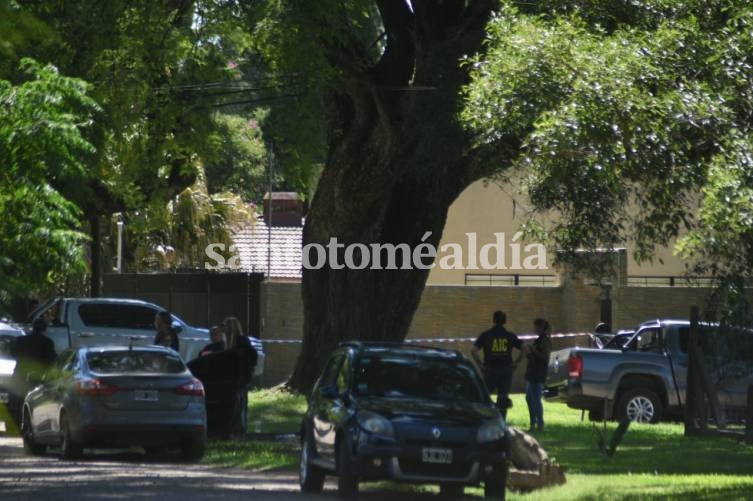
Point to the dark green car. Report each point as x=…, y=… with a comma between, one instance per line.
x=406, y=413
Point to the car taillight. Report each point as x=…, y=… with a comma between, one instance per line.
x=95, y=388
x=575, y=367
x=194, y=388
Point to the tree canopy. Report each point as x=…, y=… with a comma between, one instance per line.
x=43, y=121
x=632, y=117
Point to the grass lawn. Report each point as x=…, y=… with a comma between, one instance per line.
x=652, y=462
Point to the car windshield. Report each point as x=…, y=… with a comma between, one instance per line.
x=416, y=378
x=151, y=362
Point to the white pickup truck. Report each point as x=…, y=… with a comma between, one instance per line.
x=74, y=322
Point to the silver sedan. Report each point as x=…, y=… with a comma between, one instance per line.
x=116, y=396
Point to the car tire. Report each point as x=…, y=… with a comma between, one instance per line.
x=69, y=449
x=347, y=480
x=495, y=484
x=640, y=405
x=310, y=477
x=27, y=433
x=194, y=449
x=451, y=491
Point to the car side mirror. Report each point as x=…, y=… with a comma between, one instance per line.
x=329, y=392
x=177, y=328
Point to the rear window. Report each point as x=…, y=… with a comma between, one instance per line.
x=135, y=362
x=417, y=377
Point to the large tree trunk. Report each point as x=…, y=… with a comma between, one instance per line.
x=397, y=159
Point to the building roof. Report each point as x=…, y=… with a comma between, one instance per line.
x=285, y=258
x=282, y=195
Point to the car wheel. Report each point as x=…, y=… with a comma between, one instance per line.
x=27, y=432
x=641, y=405
x=194, y=449
x=451, y=491
x=69, y=449
x=347, y=480
x=310, y=477
x=496, y=483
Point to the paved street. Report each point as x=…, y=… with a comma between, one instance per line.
x=127, y=475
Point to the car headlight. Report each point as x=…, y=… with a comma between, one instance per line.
x=376, y=424
x=491, y=431
x=7, y=367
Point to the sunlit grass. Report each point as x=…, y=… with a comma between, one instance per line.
x=252, y=454
x=275, y=411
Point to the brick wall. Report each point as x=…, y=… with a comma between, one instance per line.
x=637, y=304
x=282, y=308
x=465, y=311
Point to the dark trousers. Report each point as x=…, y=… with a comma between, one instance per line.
x=500, y=380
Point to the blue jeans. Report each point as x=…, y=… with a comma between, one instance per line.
x=534, y=391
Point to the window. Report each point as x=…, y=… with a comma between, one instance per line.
x=330, y=374
x=417, y=378
x=649, y=340
x=125, y=316
x=149, y=362
x=343, y=376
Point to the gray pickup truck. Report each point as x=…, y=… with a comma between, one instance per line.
x=645, y=380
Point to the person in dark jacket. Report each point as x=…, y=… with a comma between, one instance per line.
x=536, y=373
x=218, y=341
x=34, y=355
x=166, y=335
x=497, y=344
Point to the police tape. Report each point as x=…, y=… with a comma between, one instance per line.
x=524, y=337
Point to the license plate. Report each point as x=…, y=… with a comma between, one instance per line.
x=433, y=455
x=146, y=395
x=4, y=397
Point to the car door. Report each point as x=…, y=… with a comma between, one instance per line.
x=45, y=400
x=326, y=403
x=55, y=313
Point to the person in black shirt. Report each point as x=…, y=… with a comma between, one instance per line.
x=537, y=371
x=166, y=335
x=497, y=344
x=34, y=354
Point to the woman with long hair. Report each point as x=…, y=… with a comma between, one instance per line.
x=246, y=357
x=536, y=373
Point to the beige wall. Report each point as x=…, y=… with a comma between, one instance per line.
x=282, y=320
x=455, y=313
x=487, y=208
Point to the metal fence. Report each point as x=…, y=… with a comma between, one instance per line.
x=201, y=299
